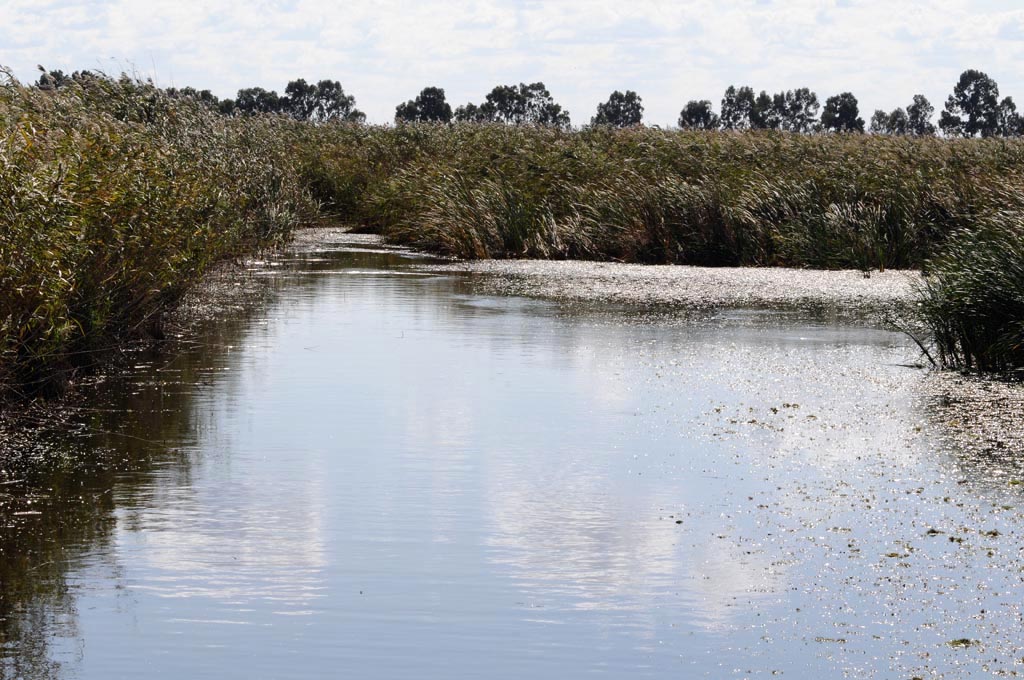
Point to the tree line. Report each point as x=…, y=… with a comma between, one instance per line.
x=973, y=109
x=321, y=101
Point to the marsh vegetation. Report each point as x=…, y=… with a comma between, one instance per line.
x=115, y=196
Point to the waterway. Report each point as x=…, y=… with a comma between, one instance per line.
x=380, y=471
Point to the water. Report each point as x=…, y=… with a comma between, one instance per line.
x=380, y=473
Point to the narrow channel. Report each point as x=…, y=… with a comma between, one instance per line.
x=383, y=473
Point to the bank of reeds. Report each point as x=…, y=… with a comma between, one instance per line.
x=972, y=299
x=710, y=198
x=114, y=198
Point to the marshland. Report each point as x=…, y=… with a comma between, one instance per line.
x=286, y=393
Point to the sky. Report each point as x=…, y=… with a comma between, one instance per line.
x=669, y=52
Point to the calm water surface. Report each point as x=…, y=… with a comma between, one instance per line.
x=380, y=474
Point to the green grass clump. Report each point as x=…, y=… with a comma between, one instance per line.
x=114, y=197
x=973, y=296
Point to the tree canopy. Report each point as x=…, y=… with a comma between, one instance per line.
x=913, y=120
x=698, y=115
x=1010, y=123
x=429, y=106
x=894, y=123
x=791, y=110
x=325, y=100
x=841, y=114
x=621, y=110
x=253, y=100
x=520, y=104
x=919, y=116
x=797, y=110
x=973, y=108
x=737, y=107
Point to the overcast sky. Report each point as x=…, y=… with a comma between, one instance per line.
x=384, y=52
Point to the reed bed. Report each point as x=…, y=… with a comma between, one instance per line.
x=115, y=197
x=687, y=197
x=973, y=298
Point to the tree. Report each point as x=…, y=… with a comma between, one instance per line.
x=883, y=123
x=471, y=113
x=517, y=105
x=973, y=108
x=300, y=99
x=796, y=110
x=253, y=100
x=430, y=106
x=763, y=114
x=841, y=114
x=899, y=122
x=698, y=115
x=880, y=122
x=919, y=116
x=1010, y=122
x=737, y=106
x=621, y=110
x=324, y=101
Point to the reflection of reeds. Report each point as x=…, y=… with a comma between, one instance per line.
x=113, y=198
x=973, y=297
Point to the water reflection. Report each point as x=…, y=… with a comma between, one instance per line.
x=381, y=473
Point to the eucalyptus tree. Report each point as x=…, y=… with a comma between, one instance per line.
x=895, y=123
x=737, y=107
x=919, y=116
x=253, y=100
x=429, y=106
x=1010, y=122
x=326, y=100
x=841, y=114
x=698, y=115
x=51, y=80
x=621, y=110
x=764, y=115
x=973, y=108
x=796, y=110
x=520, y=104
x=471, y=113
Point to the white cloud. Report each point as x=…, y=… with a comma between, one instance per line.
x=383, y=52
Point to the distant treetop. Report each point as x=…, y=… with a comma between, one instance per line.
x=974, y=109
x=520, y=104
x=841, y=114
x=698, y=115
x=430, y=106
x=621, y=110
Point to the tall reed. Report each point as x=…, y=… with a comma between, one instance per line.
x=972, y=299
x=114, y=197
x=649, y=195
